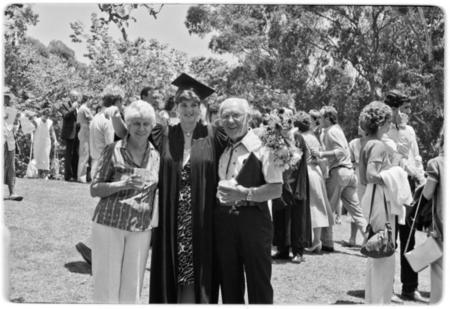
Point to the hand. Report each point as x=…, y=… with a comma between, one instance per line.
x=230, y=194
x=112, y=111
x=315, y=153
x=403, y=149
x=134, y=182
x=75, y=104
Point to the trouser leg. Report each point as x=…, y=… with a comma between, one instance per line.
x=83, y=154
x=281, y=233
x=436, y=273
x=408, y=277
x=107, y=256
x=76, y=143
x=334, y=190
x=229, y=258
x=9, y=168
x=256, y=238
x=296, y=229
x=137, y=245
x=68, y=157
x=350, y=201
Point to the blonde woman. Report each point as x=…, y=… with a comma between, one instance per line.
x=126, y=182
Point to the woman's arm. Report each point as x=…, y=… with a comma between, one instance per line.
x=372, y=174
x=269, y=191
x=101, y=185
x=104, y=189
x=118, y=123
x=429, y=188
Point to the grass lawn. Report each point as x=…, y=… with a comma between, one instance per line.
x=44, y=266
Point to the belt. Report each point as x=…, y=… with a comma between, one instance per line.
x=340, y=166
x=241, y=204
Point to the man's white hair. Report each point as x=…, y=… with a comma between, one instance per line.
x=242, y=102
x=140, y=109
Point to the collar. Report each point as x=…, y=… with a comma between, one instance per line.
x=328, y=128
x=398, y=126
x=124, y=142
x=250, y=141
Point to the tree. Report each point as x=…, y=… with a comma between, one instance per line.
x=17, y=19
x=145, y=62
x=341, y=55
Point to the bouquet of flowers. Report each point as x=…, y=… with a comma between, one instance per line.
x=276, y=136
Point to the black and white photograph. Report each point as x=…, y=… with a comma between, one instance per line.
x=223, y=153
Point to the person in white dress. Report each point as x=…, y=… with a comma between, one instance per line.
x=43, y=138
x=321, y=212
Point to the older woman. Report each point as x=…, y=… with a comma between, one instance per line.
x=126, y=182
x=321, y=212
x=375, y=120
x=183, y=263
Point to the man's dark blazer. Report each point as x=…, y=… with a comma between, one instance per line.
x=69, y=113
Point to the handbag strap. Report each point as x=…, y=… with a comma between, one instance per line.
x=371, y=201
x=413, y=223
x=385, y=208
x=385, y=204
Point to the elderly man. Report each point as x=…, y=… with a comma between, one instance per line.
x=69, y=135
x=243, y=227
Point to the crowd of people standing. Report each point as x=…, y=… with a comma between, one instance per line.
x=206, y=194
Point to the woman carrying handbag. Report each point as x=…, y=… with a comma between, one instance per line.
x=374, y=159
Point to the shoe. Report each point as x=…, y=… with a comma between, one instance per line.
x=297, y=259
x=396, y=300
x=316, y=248
x=85, y=252
x=350, y=244
x=414, y=296
x=327, y=249
x=14, y=197
x=280, y=256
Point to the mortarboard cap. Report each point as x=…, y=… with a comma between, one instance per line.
x=395, y=98
x=185, y=81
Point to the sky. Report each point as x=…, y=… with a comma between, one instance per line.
x=55, y=18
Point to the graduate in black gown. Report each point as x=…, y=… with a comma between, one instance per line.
x=183, y=266
x=291, y=213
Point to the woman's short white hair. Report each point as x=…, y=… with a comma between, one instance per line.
x=242, y=102
x=140, y=109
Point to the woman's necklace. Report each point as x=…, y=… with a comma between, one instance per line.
x=186, y=132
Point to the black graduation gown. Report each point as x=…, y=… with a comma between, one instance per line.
x=207, y=146
x=294, y=206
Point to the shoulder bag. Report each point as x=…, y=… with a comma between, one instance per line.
x=380, y=244
x=427, y=252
